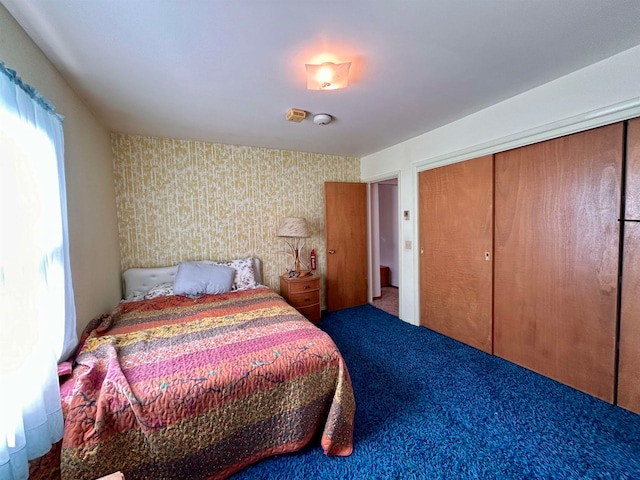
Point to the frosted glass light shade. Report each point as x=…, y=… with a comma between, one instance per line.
x=327, y=76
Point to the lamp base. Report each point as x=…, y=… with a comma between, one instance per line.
x=297, y=265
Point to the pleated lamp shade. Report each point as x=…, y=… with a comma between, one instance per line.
x=293, y=227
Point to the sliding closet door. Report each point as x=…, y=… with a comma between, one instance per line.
x=556, y=257
x=629, y=366
x=456, y=249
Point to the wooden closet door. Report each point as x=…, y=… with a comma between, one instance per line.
x=629, y=360
x=557, y=206
x=456, y=245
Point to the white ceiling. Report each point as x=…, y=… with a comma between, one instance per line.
x=227, y=71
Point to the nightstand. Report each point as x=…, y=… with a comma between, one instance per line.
x=303, y=294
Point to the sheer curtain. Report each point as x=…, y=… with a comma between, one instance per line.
x=37, y=312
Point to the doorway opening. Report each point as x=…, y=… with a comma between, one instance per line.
x=385, y=249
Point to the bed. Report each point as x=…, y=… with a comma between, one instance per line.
x=177, y=386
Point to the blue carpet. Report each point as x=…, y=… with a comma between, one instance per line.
x=431, y=407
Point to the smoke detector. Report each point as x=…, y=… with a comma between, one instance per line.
x=322, y=119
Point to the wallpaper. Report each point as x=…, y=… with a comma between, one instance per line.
x=188, y=200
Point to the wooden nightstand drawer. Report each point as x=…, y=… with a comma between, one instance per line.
x=304, y=299
x=303, y=285
x=312, y=313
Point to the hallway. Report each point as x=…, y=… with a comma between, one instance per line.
x=388, y=301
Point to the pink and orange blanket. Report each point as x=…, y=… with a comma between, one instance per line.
x=175, y=388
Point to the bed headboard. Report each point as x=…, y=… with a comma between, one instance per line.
x=143, y=279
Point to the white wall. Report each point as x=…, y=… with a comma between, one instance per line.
x=388, y=212
x=602, y=93
x=93, y=229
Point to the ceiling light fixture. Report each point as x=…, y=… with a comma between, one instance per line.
x=327, y=75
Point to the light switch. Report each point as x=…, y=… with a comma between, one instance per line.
x=407, y=244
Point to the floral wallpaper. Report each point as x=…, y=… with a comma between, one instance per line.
x=190, y=200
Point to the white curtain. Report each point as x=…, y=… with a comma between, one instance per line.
x=37, y=313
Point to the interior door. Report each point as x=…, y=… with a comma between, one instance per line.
x=629, y=360
x=557, y=206
x=456, y=250
x=346, y=241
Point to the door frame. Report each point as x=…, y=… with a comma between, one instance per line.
x=373, y=215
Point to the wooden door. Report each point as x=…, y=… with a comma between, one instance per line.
x=556, y=257
x=456, y=251
x=629, y=360
x=346, y=241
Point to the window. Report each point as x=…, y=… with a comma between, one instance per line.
x=37, y=314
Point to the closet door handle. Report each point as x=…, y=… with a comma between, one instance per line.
x=332, y=251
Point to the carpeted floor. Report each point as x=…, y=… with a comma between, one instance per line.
x=388, y=300
x=431, y=407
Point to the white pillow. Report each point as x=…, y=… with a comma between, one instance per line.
x=200, y=278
